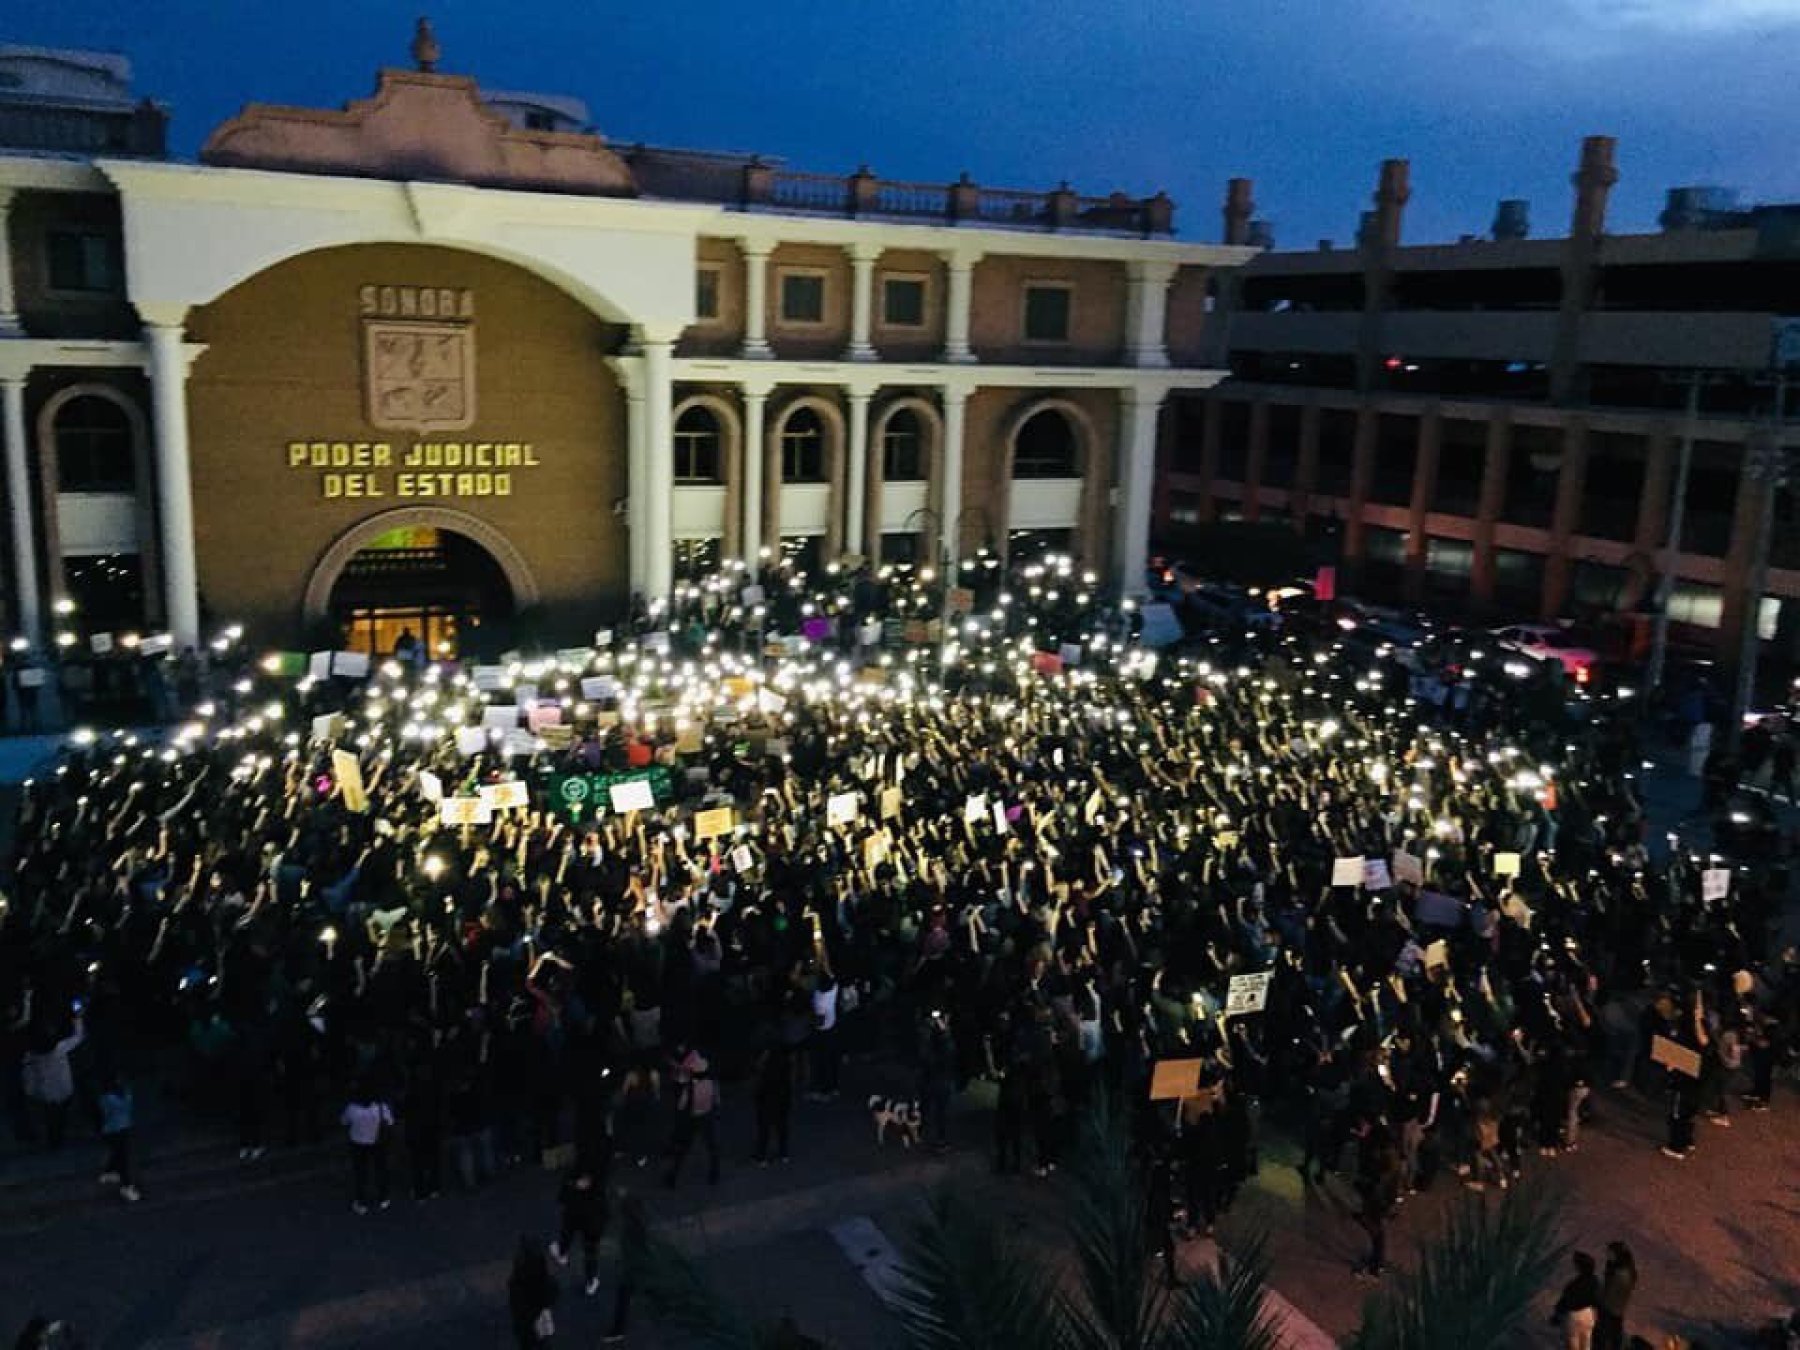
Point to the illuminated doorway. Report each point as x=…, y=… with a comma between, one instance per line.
x=438, y=587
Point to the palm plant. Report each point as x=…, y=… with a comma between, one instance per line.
x=1473, y=1284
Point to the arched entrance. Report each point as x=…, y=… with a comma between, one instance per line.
x=448, y=579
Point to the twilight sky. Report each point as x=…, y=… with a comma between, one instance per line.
x=1488, y=98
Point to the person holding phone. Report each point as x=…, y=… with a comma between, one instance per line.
x=49, y=1079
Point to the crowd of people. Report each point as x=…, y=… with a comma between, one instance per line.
x=973, y=833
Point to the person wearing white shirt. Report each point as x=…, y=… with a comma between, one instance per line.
x=366, y=1119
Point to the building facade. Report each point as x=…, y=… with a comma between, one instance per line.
x=1501, y=420
x=435, y=356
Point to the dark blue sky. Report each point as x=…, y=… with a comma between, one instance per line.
x=1488, y=98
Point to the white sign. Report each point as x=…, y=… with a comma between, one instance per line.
x=768, y=701
x=999, y=813
x=464, y=811
x=751, y=596
x=656, y=642
x=841, y=809
x=742, y=858
x=598, y=687
x=1248, y=993
x=100, y=643
x=431, y=787
x=511, y=795
x=471, y=740
x=1715, y=883
x=518, y=742
x=1347, y=872
x=1070, y=653
x=327, y=726
x=1375, y=875
x=1506, y=864
x=975, y=808
x=633, y=796
x=1408, y=868
x=488, y=678
x=501, y=716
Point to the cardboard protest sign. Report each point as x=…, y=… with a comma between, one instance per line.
x=431, y=787
x=1437, y=910
x=518, y=742
x=742, y=858
x=573, y=658
x=739, y=686
x=1673, y=1055
x=712, y=824
x=1506, y=864
x=1409, y=869
x=691, y=739
x=348, y=772
x=890, y=803
x=1248, y=993
x=487, y=679
x=975, y=807
x=1173, y=1079
x=1000, y=817
x=657, y=641
x=502, y=716
x=875, y=850
x=511, y=795
x=1715, y=883
x=471, y=740
x=768, y=701
x=558, y=737
x=544, y=715
x=842, y=808
x=631, y=796
x=525, y=695
x=328, y=726
x=1375, y=875
x=350, y=665
x=1437, y=954
x=596, y=688
x=1347, y=871
x=464, y=811
x=159, y=644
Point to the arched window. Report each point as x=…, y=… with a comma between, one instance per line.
x=902, y=448
x=93, y=447
x=803, y=448
x=697, y=446
x=1045, y=447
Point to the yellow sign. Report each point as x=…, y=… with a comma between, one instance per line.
x=712, y=824
x=350, y=780
x=375, y=469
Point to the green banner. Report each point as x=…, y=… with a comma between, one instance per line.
x=582, y=793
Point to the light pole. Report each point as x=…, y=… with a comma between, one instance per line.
x=1768, y=465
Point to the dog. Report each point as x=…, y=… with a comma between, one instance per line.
x=901, y=1117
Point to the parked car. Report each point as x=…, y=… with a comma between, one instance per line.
x=1549, y=641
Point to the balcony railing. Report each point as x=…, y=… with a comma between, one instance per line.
x=140, y=131
x=751, y=184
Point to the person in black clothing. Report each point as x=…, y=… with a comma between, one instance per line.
x=1578, y=1307
x=774, y=1099
x=583, y=1201
x=423, y=1125
x=530, y=1295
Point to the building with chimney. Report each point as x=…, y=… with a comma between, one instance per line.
x=1500, y=421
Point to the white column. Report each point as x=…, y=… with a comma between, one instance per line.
x=1146, y=312
x=1137, y=475
x=637, y=500
x=756, y=296
x=857, y=479
x=174, y=480
x=659, y=466
x=863, y=258
x=756, y=402
x=959, y=266
x=9, y=303
x=950, y=489
x=18, y=496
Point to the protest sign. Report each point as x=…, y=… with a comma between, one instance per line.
x=959, y=600
x=712, y=824
x=100, y=643
x=1000, y=817
x=348, y=772
x=656, y=642
x=1437, y=954
x=1375, y=875
x=501, y=716
x=511, y=795
x=464, y=811
x=632, y=795
x=1506, y=864
x=328, y=726
x=544, y=715
x=597, y=688
x=1715, y=883
x=1173, y=1079
x=1248, y=993
x=431, y=787
x=768, y=701
x=1070, y=653
x=890, y=803
x=751, y=596
x=518, y=741
x=975, y=807
x=471, y=740
x=841, y=808
x=1347, y=871
x=691, y=739
x=1409, y=869
x=1046, y=663
x=1673, y=1055
x=742, y=858
x=487, y=679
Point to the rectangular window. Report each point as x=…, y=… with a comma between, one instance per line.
x=900, y=547
x=696, y=558
x=83, y=262
x=903, y=302
x=706, y=292
x=1047, y=312
x=803, y=297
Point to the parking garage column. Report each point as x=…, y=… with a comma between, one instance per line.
x=1494, y=469
x=1255, y=460
x=165, y=341
x=1565, y=524
x=1425, y=472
